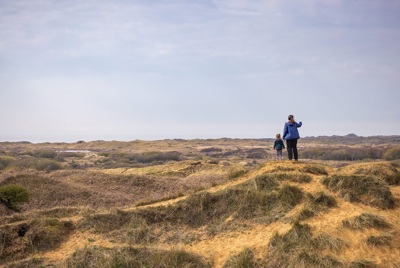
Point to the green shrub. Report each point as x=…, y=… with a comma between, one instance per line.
x=5, y=161
x=46, y=154
x=10, y=195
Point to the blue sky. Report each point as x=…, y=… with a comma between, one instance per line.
x=150, y=69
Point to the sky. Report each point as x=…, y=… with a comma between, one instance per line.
x=163, y=69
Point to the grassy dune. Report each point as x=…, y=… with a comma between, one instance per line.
x=111, y=208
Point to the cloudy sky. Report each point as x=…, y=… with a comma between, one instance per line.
x=154, y=69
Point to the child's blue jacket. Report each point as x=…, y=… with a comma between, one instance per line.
x=290, y=131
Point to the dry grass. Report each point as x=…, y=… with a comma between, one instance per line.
x=67, y=205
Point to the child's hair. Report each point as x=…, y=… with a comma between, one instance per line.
x=278, y=136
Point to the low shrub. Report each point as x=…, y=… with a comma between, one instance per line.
x=47, y=165
x=46, y=154
x=5, y=161
x=368, y=190
x=10, y=195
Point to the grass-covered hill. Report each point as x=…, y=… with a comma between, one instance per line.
x=192, y=206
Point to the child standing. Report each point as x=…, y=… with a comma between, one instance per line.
x=278, y=146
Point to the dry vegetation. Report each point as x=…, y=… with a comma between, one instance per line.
x=199, y=203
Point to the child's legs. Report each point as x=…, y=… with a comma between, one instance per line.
x=278, y=154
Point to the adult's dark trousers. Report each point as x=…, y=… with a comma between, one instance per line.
x=291, y=146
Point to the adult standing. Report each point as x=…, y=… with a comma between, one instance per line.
x=291, y=135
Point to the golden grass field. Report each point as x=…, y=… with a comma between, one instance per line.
x=221, y=203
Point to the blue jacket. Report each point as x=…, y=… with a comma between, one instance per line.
x=290, y=131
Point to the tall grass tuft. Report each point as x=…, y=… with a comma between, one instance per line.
x=245, y=259
x=297, y=248
x=315, y=169
x=366, y=220
x=100, y=257
x=382, y=240
x=290, y=195
x=368, y=190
